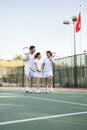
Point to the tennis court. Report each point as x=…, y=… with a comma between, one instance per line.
x=62, y=110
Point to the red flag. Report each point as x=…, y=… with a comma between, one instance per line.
x=78, y=23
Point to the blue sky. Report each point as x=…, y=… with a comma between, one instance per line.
x=40, y=23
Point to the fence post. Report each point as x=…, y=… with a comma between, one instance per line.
x=23, y=76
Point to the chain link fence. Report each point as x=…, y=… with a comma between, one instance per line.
x=63, y=73
x=13, y=76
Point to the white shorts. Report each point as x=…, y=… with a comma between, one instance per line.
x=29, y=72
x=26, y=72
x=47, y=74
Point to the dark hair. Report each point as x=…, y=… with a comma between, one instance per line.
x=32, y=47
x=49, y=52
x=36, y=55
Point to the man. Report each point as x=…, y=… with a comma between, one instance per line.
x=28, y=63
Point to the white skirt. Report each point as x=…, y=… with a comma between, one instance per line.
x=47, y=74
x=37, y=74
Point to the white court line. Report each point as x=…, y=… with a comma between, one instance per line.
x=61, y=101
x=49, y=99
x=42, y=118
x=8, y=96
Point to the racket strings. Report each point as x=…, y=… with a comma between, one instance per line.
x=26, y=50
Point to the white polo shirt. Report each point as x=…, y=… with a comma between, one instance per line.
x=28, y=63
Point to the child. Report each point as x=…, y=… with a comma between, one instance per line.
x=38, y=71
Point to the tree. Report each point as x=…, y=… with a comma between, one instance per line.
x=18, y=57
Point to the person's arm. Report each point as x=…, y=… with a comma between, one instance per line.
x=42, y=65
x=52, y=60
x=26, y=58
x=53, y=63
x=36, y=66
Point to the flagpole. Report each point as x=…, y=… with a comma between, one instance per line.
x=80, y=40
x=75, y=57
x=77, y=28
x=74, y=19
x=80, y=50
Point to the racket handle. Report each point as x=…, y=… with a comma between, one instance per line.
x=27, y=58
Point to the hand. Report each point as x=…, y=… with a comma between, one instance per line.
x=27, y=57
x=39, y=71
x=50, y=59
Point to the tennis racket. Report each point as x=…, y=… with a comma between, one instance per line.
x=54, y=55
x=34, y=68
x=26, y=50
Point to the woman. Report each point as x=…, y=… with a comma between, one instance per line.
x=48, y=64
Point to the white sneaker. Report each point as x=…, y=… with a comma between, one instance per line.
x=51, y=90
x=27, y=89
x=47, y=91
x=30, y=90
x=38, y=91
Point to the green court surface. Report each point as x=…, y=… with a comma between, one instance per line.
x=61, y=110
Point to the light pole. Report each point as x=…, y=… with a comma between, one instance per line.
x=74, y=19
